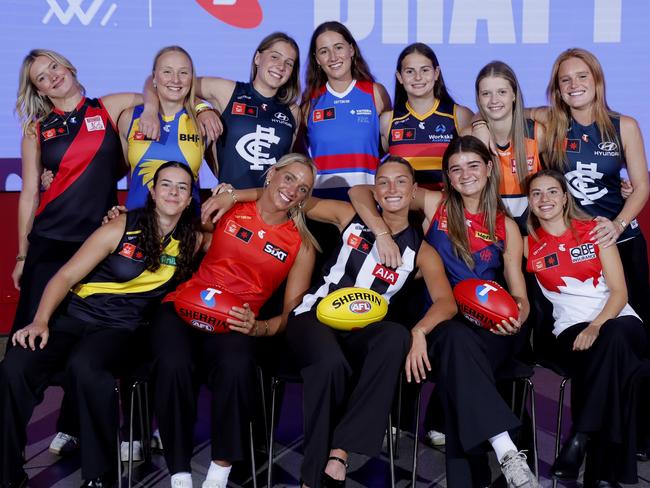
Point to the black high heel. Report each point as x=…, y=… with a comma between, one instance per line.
x=328, y=481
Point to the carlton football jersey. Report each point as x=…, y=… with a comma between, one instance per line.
x=570, y=275
x=179, y=141
x=356, y=263
x=593, y=172
x=343, y=134
x=421, y=139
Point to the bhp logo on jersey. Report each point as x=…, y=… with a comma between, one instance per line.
x=245, y=14
x=207, y=296
x=74, y=10
x=275, y=251
x=483, y=291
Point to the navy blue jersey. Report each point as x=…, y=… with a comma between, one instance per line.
x=257, y=131
x=593, y=172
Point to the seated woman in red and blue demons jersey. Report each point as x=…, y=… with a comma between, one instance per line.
x=108, y=290
x=600, y=338
x=469, y=228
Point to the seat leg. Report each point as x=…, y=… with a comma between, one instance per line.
x=252, y=449
x=131, y=413
x=533, y=419
x=260, y=375
x=398, y=423
x=117, y=438
x=415, y=438
x=269, y=472
x=391, y=454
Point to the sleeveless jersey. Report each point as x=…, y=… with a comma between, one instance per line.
x=513, y=194
x=422, y=139
x=82, y=149
x=343, y=134
x=356, y=263
x=487, y=254
x=257, y=131
x=179, y=141
x=120, y=291
x=247, y=257
x=570, y=275
x=593, y=172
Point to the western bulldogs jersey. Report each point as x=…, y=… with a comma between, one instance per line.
x=570, y=275
x=487, y=253
x=593, y=172
x=356, y=263
x=120, y=291
x=179, y=141
x=257, y=131
x=343, y=133
x=510, y=189
x=422, y=139
x=247, y=257
x=83, y=150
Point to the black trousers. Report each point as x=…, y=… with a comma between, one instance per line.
x=634, y=256
x=349, y=380
x=464, y=358
x=89, y=354
x=603, y=400
x=183, y=358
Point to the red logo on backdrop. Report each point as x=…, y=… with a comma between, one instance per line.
x=385, y=274
x=246, y=14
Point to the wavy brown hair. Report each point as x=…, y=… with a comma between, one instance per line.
x=290, y=91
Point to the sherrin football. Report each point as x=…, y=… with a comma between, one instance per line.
x=484, y=302
x=351, y=308
x=205, y=308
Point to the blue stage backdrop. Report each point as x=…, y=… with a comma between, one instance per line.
x=112, y=42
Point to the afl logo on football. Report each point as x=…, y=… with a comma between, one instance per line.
x=207, y=296
x=483, y=290
x=202, y=325
x=607, y=146
x=360, y=306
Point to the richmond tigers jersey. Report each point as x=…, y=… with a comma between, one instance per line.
x=120, y=291
x=570, y=275
x=593, y=172
x=343, y=134
x=82, y=148
x=356, y=263
x=179, y=141
x=247, y=257
x=487, y=254
x=257, y=131
x=421, y=139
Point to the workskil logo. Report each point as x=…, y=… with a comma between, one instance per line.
x=246, y=14
x=73, y=10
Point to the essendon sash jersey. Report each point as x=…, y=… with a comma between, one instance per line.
x=247, y=257
x=356, y=263
x=343, y=134
x=120, y=292
x=82, y=149
x=421, y=139
x=257, y=131
x=570, y=275
x=487, y=253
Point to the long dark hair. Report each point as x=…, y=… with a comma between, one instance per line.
x=439, y=89
x=185, y=231
x=315, y=77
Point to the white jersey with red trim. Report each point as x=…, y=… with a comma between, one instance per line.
x=570, y=275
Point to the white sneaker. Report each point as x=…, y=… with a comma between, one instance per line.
x=181, y=482
x=63, y=443
x=137, y=451
x=435, y=438
x=213, y=484
x=516, y=470
x=156, y=441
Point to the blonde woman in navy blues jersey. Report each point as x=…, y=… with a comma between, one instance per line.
x=110, y=286
x=599, y=337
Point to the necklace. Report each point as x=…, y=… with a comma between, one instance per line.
x=65, y=120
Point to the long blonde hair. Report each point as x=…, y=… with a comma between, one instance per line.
x=297, y=213
x=560, y=113
x=31, y=107
x=490, y=202
x=188, y=102
x=290, y=91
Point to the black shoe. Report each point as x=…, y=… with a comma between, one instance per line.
x=567, y=465
x=328, y=481
x=603, y=484
x=99, y=482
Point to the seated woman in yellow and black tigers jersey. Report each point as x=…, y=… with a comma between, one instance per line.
x=109, y=287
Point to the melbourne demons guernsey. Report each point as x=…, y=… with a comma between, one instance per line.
x=179, y=141
x=511, y=191
x=82, y=148
x=247, y=257
x=569, y=272
x=356, y=263
x=422, y=139
x=593, y=172
x=257, y=131
x=120, y=291
x=487, y=253
x=343, y=133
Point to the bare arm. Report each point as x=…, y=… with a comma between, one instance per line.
x=512, y=258
x=384, y=128
x=333, y=212
x=215, y=90
x=464, y=116
x=382, y=100
x=538, y=114
x=116, y=103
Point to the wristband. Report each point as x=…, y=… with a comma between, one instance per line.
x=266, y=327
x=231, y=192
x=478, y=122
x=201, y=106
x=382, y=234
x=620, y=222
x=20, y=257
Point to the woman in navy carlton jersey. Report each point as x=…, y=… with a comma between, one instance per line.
x=110, y=287
x=425, y=118
x=600, y=339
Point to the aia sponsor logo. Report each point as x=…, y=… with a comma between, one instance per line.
x=245, y=14
x=385, y=274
